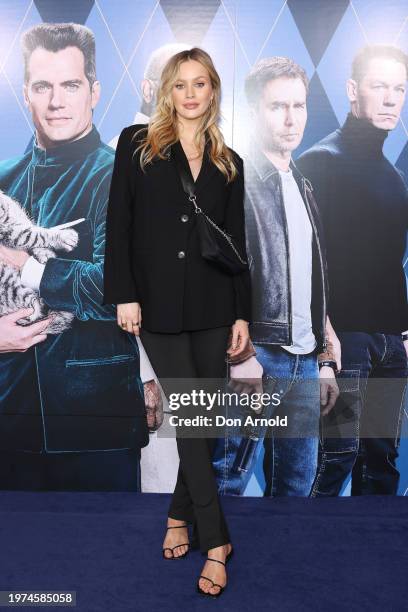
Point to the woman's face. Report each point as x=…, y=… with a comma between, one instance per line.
x=192, y=92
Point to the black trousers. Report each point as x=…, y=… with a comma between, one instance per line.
x=192, y=355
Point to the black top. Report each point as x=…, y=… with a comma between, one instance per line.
x=364, y=205
x=152, y=253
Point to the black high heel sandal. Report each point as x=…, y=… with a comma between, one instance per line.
x=177, y=546
x=214, y=584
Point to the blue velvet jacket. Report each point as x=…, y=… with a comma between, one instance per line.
x=79, y=390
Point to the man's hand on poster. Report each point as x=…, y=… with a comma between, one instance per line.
x=14, y=337
x=329, y=389
x=13, y=257
x=335, y=345
x=246, y=377
x=19, y=338
x=154, y=405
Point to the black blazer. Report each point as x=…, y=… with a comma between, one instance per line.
x=152, y=251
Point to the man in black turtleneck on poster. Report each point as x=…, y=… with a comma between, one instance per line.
x=364, y=206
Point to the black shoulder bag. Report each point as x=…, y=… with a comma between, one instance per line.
x=215, y=244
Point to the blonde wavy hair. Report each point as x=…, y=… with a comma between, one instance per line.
x=162, y=129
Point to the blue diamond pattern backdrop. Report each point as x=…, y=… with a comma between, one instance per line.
x=321, y=35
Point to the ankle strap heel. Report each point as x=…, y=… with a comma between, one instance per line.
x=178, y=545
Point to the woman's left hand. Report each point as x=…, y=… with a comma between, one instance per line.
x=240, y=337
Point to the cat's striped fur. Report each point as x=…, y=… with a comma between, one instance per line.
x=18, y=232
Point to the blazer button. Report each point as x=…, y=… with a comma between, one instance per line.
x=184, y=218
x=181, y=254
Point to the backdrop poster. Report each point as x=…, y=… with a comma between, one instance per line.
x=46, y=390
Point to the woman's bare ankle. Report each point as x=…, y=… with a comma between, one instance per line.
x=220, y=552
x=175, y=522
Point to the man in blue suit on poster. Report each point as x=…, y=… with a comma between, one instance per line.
x=65, y=395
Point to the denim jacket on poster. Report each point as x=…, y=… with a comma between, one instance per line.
x=78, y=390
x=268, y=248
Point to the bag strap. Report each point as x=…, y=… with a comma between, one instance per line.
x=189, y=189
x=185, y=177
x=188, y=184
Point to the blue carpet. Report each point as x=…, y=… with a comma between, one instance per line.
x=290, y=553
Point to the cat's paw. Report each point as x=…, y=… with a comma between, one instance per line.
x=62, y=320
x=62, y=239
x=39, y=309
x=42, y=255
x=68, y=239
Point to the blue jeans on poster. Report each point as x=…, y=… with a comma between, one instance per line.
x=290, y=460
x=360, y=436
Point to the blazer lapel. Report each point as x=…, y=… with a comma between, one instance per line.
x=207, y=168
x=207, y=171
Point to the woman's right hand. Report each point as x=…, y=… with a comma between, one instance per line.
x=129, y=317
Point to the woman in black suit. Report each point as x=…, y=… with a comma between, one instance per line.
x=154, y=268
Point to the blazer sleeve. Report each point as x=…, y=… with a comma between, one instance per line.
x=235, y=226
x=119, y=282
